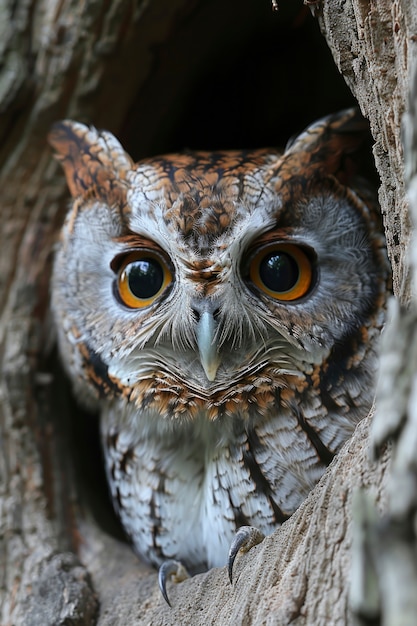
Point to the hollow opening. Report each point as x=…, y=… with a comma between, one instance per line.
x=234, y=75
x=229, y=75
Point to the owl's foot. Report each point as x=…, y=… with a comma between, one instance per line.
x=245, y=538
x=173, y=570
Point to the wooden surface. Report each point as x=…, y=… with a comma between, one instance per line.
x=59, y=562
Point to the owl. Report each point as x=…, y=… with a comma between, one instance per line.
x=221, y=311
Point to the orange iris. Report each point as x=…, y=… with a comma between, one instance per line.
x=142, y=277
x=282, y=271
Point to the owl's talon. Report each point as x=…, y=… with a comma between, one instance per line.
x=173, y=570
x=245, y=538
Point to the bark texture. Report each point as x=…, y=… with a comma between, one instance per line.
x=336, y=560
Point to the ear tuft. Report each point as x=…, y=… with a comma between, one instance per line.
x=332, y=145
x=94, y=162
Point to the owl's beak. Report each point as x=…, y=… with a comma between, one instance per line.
x=207, y=344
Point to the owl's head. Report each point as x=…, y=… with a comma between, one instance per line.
x=188, y=280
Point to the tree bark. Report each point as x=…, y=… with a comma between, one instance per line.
x=62, y=559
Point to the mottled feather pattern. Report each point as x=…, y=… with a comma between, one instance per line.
x=201, y=435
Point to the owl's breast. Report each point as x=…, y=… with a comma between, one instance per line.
x=244, y=454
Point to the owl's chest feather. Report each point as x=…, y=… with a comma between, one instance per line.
x=182, y=488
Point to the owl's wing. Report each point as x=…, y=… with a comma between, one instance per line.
x=94, y=162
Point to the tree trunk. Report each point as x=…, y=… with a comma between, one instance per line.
x=164, y=75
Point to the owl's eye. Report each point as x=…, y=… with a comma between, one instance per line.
x=282, y=271
x=142, y=277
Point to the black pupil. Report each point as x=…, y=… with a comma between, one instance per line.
x=145, y=278
x=279, y=271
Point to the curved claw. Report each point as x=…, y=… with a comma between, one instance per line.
x=174, y=570
x=245, y=538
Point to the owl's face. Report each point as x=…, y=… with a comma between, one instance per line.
x=211, y=272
